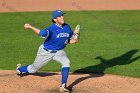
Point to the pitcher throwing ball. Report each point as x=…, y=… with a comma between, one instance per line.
x=57, y=36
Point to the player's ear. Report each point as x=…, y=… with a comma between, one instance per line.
x=55, y=20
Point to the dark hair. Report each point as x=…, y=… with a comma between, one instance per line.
x=53, y=21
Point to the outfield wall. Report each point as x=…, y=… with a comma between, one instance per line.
x=49, y=5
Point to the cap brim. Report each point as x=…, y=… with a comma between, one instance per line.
x=60, y=15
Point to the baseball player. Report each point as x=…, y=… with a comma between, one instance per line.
x=57, y=36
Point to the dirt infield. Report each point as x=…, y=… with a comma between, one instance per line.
x=49, y=5
x=78, y=83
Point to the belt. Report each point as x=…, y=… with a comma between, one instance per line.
x=51, y=51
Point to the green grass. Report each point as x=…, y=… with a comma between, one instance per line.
x=109, y=42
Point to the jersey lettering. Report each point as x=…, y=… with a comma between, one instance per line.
x=62, y=35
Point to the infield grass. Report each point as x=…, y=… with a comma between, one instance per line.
x=109, y=42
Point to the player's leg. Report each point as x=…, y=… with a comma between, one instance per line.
x=42, y=58
x=62, y=58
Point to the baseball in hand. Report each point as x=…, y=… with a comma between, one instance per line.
x=26, y=26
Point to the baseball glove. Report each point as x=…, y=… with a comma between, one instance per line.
x=76, y=32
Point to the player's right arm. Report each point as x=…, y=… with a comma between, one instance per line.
x=43, y=33
x=36, y=30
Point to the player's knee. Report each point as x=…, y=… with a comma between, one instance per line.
x=32, y=69
x=66, y=63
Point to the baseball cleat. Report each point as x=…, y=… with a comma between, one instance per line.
x=64, y=90
x=18, y=72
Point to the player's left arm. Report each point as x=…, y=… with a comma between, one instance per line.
x=73, y=41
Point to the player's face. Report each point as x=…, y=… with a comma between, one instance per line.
x=60, y=20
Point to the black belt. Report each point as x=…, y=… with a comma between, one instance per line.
x=51, y=51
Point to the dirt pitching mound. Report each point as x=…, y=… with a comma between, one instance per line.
x=46, y=82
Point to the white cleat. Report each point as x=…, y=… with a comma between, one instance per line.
x=64, y=90
x=18, y=72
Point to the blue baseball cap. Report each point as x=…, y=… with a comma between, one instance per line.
x=57, y=13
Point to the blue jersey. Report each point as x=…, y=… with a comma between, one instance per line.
x=56, y=36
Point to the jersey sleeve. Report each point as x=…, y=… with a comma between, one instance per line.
x=71, y=33
x=44, y=33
